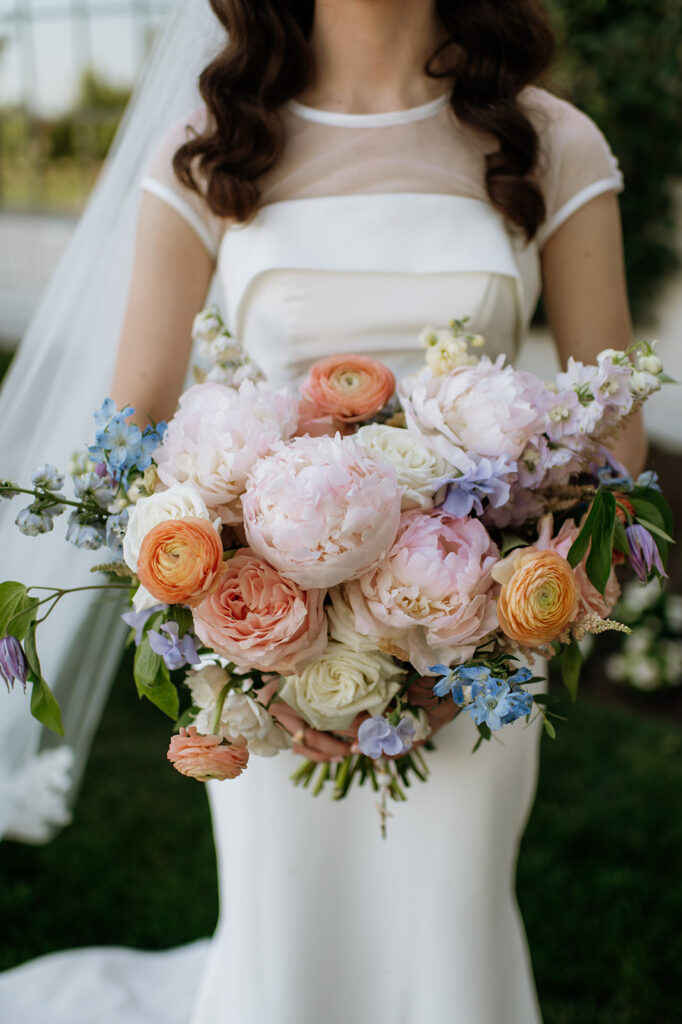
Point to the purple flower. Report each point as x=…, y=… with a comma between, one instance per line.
x=138, y=620
x=487, y=479
x=643, y=552
x=175, y=650
x=13, y=665
x=377, y=737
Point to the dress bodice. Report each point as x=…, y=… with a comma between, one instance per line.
x=372, y=227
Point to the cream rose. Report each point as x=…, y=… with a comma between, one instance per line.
x=179, y=502
x=331, y=691
x=417, y=467
x=341, y=619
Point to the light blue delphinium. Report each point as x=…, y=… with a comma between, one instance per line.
x=32, y=523
x=520, y=703
x=83, y=534
x=47, y=477
x=453, y=681
x=138, y=620
x=149, y=442
x=91, y=486
x=116, y=527
x=175, y=650
x=378, y=738
x=492, y=705
x=649, y=479
x=485, y=480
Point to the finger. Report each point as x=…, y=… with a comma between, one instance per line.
x=314, y=755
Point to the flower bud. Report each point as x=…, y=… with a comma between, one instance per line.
x=13, y=665
x=33, y=523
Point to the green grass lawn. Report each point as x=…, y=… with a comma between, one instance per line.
x=598, y=874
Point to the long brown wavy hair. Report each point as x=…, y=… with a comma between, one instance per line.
x=494, y=49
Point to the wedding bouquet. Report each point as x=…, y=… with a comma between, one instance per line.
x=360, y=560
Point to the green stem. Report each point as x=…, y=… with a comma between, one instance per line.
x=58, y=499
x=321, y=778
x=220, y=704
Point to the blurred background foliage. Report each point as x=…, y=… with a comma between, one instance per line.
x=621, y=62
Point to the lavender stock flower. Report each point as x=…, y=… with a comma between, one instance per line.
x=13, y=665
x=377, y=737
x=643, y=552
x=175, y=650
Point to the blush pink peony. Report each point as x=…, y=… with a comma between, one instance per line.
x=488, y=410
x=206, y=757
x=432, y=599
x=589, y=598
x=322, y=510
x=217, y=435
x=258, y=619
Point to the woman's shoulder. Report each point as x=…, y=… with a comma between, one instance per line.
x=576, y=162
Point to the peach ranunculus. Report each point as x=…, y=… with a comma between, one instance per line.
x=348, y=387
x=206, y=757
x=257, y=618
x=539, y=596
x=591, y=601
x=179, y=560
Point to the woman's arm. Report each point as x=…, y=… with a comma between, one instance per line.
x=586, y=300
x=172, y=272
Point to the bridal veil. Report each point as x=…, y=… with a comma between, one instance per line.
x=58, y=378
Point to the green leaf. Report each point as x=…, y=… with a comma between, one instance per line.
x=183, y=617
x=17, y=609
x=153, y=681
x=653, y=497
x=509, y=541
x=44, y=704
x=571, y=663
x=582, y=541
x=549, y=729
x=620, y=541
x=545, y=698
x=598, y=565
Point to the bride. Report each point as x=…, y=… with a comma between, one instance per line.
x=355, y=170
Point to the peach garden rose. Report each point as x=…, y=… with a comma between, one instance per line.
x=539, y=596
x=348, y=387
x=179, y=560
x=257, y=618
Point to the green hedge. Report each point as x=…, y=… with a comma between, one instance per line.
x=621, y=62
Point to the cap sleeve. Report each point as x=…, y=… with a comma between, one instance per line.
x=160, y=179
x=578, y=163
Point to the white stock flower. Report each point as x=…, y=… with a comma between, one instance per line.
x=417, y=467
x=422, y=729
x=244, y=716
x=643, y=384
x=178, y=502
x=205, y=684
x=331, y=691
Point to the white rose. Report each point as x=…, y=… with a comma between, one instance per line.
x=331, y=691
x=178, y=502
x=418, y=468
x=342, y=623
x=244, y=716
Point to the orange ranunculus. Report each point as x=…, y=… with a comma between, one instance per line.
x=207, y=757
x=179, y=560
x=539, y=596
x=348, y=387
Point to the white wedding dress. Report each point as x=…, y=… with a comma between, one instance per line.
x=372, y=226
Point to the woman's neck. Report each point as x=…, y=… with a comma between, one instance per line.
x=370, y=55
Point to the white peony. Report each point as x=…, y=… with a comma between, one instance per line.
x=178, y=502
x=217, y=436
x=417, y=467
x=331, y=691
